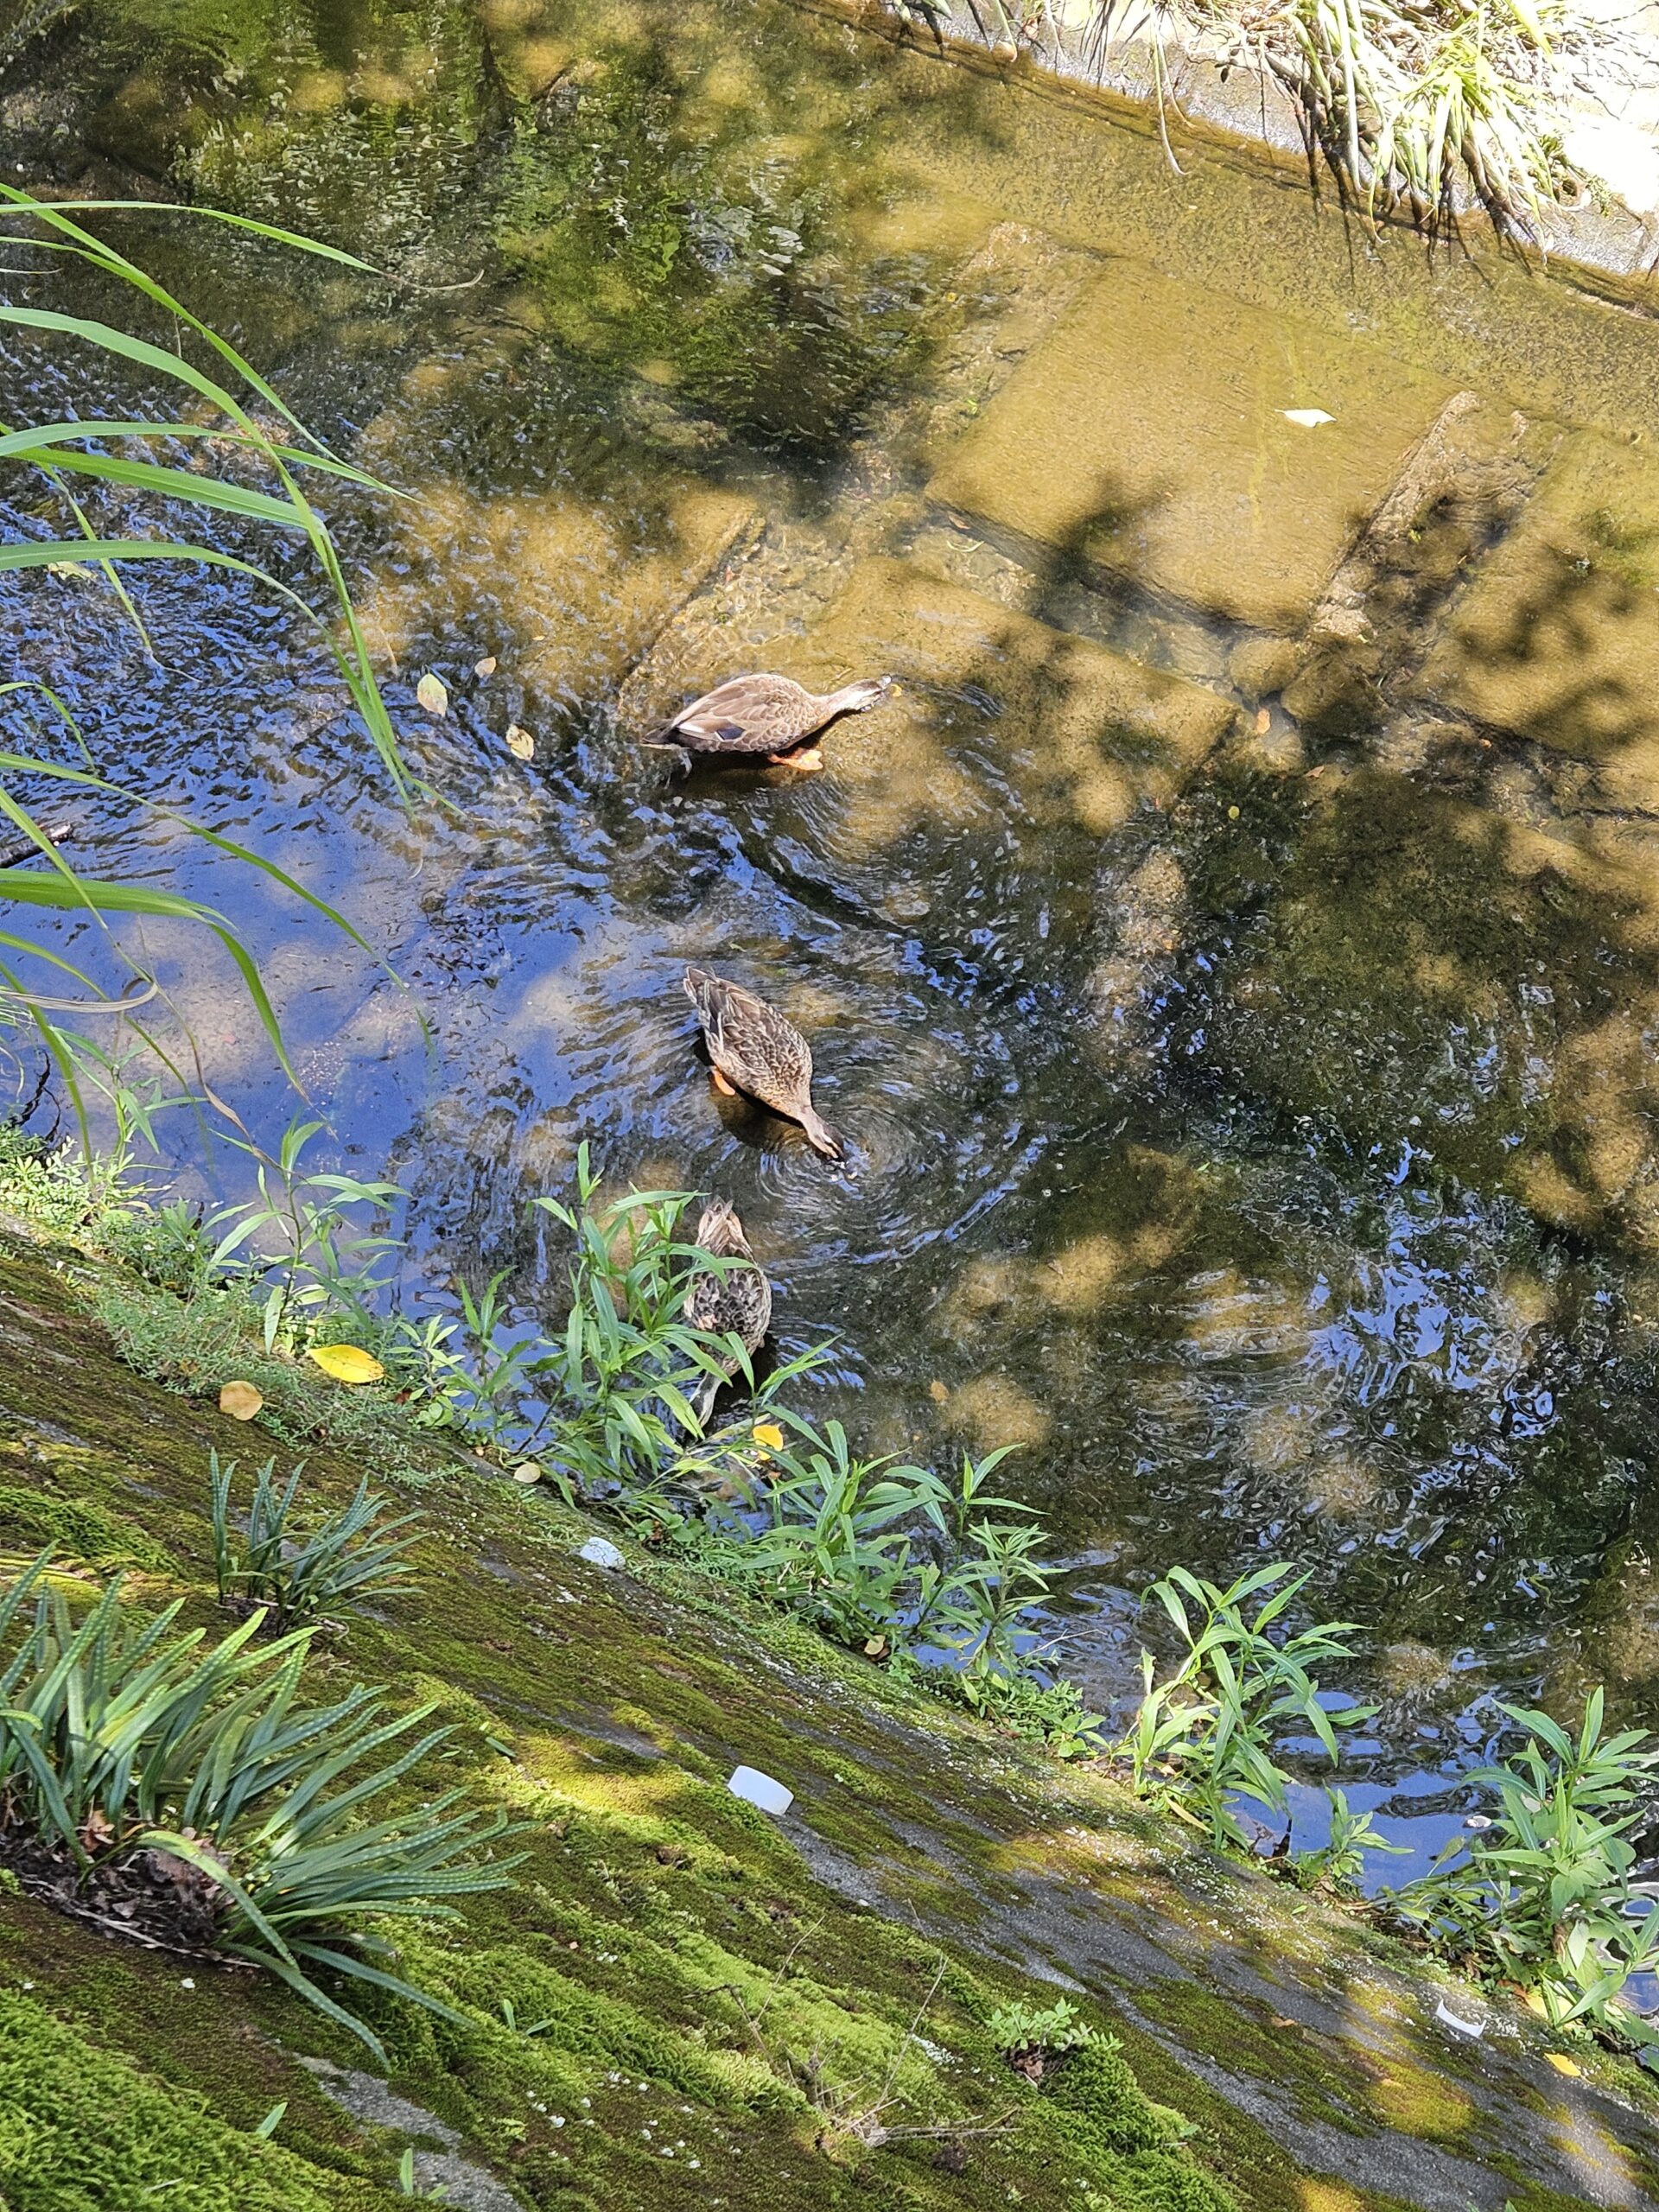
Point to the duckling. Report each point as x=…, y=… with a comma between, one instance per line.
x=736, y=1300
x=755, y=1051
x=770, y=716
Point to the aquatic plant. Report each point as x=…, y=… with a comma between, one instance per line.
x=294, y=1575
x=299, y=1248
x=1545, y=1896
x=1339, y=1861
x=186, y=1798
x=225, y=439
x=621, y=1379
x=1207, y=1733
x=888, y=1556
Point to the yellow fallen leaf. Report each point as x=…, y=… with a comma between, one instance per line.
x=1563, y=2065
x=1534, y=2001
x=769, y=1433
x=347, y=1363
x=938, y=1392
x=520, y=742
x=484, y=667
x=432, y=694
x=874, y=1646
x=240, y=1400
x=527, y=1472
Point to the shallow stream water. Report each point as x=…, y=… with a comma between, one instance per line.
x=1203, y=1095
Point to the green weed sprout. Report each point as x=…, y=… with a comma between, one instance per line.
x=1022, y=2030
x=1544, y=1896
x=1208, y=1732
x=1339, y=1861
x=296, y=1577
x=187, y=1796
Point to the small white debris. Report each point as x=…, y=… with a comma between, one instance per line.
x=1473, y=2029
x=1307, y=418
x=757, y=1788
x=1478, y=1821
x=599, y=1551
x=185, y=1982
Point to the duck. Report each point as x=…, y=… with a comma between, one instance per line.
x=756, y=1052
x=772, y=716
x=727, y=1302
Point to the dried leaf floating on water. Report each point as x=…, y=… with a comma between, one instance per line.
x=527, y=1472
x=520, y=743
x=484, y=667
x=433, y=694
x=347, y=1363
x=769, y=1433
x=240, y=1401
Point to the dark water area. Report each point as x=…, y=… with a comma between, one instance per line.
x=1249, y=1094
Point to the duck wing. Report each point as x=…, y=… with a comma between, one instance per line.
x=746, y=714
x=750, y=1042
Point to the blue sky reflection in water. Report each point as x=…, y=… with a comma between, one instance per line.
x=1183, y=1151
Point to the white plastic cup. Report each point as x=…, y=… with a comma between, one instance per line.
x=757, y=1788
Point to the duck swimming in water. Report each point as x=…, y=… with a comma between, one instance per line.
x=731, y=1300
x=769, y=717
x=755, y=1051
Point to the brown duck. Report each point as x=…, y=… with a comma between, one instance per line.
x=755, y=1051
x=770, y=716
x=728, y=1301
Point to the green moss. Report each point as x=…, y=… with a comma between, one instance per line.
x=77, y=1526
x=80, y=2127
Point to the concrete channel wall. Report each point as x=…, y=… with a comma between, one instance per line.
x=1155, y=66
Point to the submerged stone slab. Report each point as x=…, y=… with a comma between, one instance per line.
x=567, y=592
x=1078, y=730
x=1150, y=436
x=1557, y=637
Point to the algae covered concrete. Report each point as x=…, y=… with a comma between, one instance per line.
x=1180, y=466
x=1094, y=733
x=702, y=2006
x=1553, y=638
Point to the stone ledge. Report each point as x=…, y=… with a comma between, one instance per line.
x=1246, y=116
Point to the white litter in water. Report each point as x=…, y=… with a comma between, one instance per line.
x=1309, y=417
x=1473, y=2029
x=758, y=1789
x=598, y=1551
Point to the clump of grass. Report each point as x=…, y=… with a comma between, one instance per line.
x=186, y=1799
x=1423, y=107
x=291, y=1574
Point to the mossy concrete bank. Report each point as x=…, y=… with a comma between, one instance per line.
x=684, y=2003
